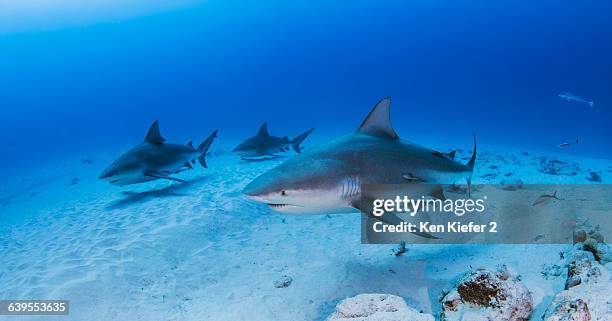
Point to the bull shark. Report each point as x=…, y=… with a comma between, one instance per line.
x=572, y=97
x=328, y=178
x=264, y=144
x=154, y=159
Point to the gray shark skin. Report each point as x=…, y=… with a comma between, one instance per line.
x=571, y=97
x=328, y=178
x=264, y=144
x=154, y=159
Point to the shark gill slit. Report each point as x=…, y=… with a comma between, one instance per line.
x=350, y=187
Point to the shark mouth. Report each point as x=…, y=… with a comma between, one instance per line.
x=280, y=206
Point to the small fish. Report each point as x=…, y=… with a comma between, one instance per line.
x=572, y=97
x=569, y=143
x=546, y=197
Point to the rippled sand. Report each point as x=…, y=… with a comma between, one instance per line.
x=199, y=251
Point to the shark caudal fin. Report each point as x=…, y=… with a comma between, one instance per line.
x=204, y=146
x=470, y=165
x=295, y=143
x=472, y=161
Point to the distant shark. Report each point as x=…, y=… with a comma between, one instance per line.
x=154, y=159
x=328, y=178
x=264, y=144
x=572, y=97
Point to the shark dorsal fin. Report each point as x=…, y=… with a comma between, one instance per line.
x=263, y=130
x=153, y=136
x=190, y=144
x=378, y=122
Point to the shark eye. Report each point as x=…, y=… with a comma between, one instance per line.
x=283, y=193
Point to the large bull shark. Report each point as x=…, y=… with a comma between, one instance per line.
x=328, y=178
x=264, y=144
x=154, y=159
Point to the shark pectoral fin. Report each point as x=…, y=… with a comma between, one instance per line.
x=438, y=193
x=366, y=205
x=378, y=121
x=154, y=136
x=393, y=219
x=157, y=174
x=188, y=165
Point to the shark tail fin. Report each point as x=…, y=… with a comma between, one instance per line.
x=299, y=139
x=470, y=165
x=591, y=103
x=472, y=161
x=204, y=146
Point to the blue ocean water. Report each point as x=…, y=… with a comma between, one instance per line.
x=450, y=67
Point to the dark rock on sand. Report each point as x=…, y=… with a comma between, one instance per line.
x=594, y=177
x=283, y=282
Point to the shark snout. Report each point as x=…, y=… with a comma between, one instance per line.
x=257, y=192
x=251, y=193
x=105, y=174
x=255, y=198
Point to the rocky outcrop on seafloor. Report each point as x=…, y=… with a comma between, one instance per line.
x=566, y=308
x=555, y=166
x=484, y=295
x=587, y=295
x=376, y=307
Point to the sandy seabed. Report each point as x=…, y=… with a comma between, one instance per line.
x=200, y=251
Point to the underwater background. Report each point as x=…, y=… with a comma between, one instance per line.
x=450, y=67
x=81, y=84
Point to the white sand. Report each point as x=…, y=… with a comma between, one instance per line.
x=199, y=251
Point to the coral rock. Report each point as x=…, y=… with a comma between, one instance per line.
x=587, y=295
x=485, y=295
x=376, y=307
x=555, y=166
x=566, y=308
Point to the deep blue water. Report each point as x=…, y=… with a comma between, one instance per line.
x=451, y=67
